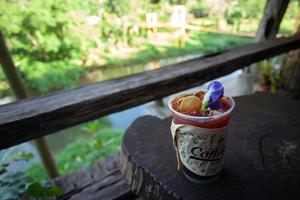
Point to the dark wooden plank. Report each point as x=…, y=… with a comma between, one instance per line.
x=75, y=181
x=65, y=182
x=93, y=184
x=105, y=166
x=82, y=177
x=112, y=162
x=35, y=117
x=112, y=186
x=262, y=155
x=98, y=169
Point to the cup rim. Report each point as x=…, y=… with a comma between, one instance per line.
x=199, y=118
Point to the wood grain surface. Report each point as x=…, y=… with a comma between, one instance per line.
x=262, y=156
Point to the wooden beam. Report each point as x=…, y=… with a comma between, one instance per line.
x=32, y=118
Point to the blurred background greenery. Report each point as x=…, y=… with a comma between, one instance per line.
x=56, y=44
x=60, y=44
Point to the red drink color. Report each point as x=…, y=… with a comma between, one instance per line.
x=217, y=123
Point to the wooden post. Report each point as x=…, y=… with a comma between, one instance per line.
x=268, y=28
x=20, y=92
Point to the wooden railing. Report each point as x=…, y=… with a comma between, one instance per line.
x=35, y=117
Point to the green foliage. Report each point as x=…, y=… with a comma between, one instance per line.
x=18, y=156
x=83, y=151
x=270, y=75
x=177, y=2
x=118, y=8
x=91, y=127
x=12, y=185
x=252, y=8
x=4, y=87
x=199, y=10
x=43, y=41
x=38, y=190
x=234, y=15
x=290, y=19
x=51, y=76
x=50, y=46
x=15, y=184
x=292, y=9
x=117, y=23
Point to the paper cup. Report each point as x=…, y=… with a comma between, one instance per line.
x=199, y=142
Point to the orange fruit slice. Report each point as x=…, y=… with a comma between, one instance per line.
x=190, y=103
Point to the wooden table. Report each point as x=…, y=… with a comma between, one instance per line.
x=262, y=158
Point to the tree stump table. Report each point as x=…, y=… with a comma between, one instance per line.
x=262, y=157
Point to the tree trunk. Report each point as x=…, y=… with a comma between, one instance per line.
x=268, y=28
x=273, y=14
x=20, y=92
x=290, y=72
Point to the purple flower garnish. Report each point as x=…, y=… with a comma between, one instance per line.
x=214, y=93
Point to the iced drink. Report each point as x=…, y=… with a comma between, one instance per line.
x=199, y=127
